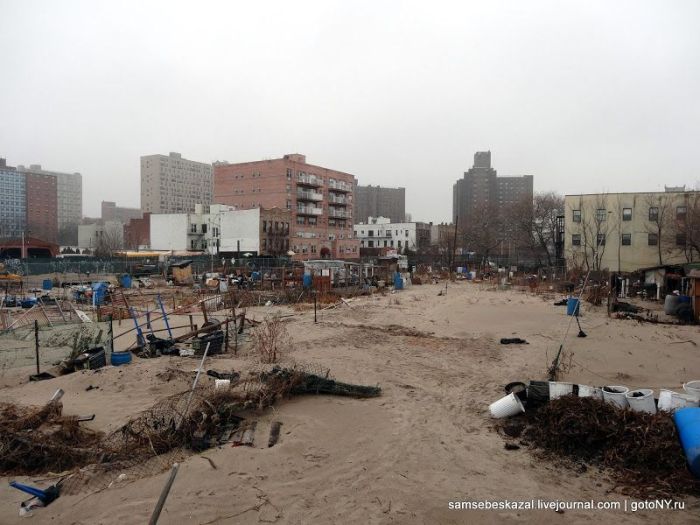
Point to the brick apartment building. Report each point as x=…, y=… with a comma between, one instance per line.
x=376, y=201
x=42, y=206
x=320, y=201
x=481, y=190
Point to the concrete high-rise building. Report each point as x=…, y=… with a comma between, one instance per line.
x=13, y=202
x=69, y=198
x=171, y=184
x=320, y=200
x=482, y=190
x=375, y=201
x=112, y=212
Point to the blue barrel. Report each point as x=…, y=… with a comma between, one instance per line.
x=47, y=284
x=398, y=281
x=688, y=425
x=99, y=290
x=683, y=299
x=308, y=280
x=125, y=280
x=121, y=358
x=572, y=306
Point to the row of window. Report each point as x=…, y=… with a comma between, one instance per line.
x=626, y=239
x=387, y=244
x=277, y=226
x=601, y=214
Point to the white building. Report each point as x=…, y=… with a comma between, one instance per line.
x=222, y=229
x=109, y=235
x=380, y=232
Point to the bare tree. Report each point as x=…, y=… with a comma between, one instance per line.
x=688, y=228
x=596, y=227
x=660, y=224
x=109, y=240
x=482, y=232
x=536, y=226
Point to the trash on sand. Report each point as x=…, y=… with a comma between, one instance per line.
x=231, y=376
x=558, y=389
x=274, y=433
x=590, y=391
x=693, y=388
x=513, y=341
x=507, y=406
x=222, y=383
x=671, y=401
x=517, y=388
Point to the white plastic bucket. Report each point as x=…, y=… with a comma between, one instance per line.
x=615, y=395
x=641, y=400
x=693, y=388
x=507, y=406
x=670, y=401
x=222, y=384
x=557, y=389
x=590, y=391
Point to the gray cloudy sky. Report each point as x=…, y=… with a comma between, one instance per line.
x=586, y=96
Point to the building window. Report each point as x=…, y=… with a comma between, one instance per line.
x=313, y=248
x=653, y=239
x=626, y=239
x=193, y=228
x=680, y=239
x=626, y=214
x=681, y=213
x=577, y=216
x=312, y=220
x=600, y=239
x=576, y=239
x=399, y=244
x=370, y=244
x=370, y=233
x=289, y=205
x=653, y=214
x=300, y=220
x=600, y=215
x=264, y=226
x=204, y=228
x=289, y=173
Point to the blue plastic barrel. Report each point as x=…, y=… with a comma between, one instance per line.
x=308, y=280
x=683, y=298
x=572, y=306
x=125, y=280
x=99, y=290
x=688, y=425
x=121, y=358
x=398, y=281
x=47, y=284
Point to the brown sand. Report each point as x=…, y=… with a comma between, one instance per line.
x=399, y=458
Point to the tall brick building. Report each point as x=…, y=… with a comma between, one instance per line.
x=375, y=201
x=42, y=206
x=482, y=190
x=320, y=200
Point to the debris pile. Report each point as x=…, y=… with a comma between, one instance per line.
x=641, y=451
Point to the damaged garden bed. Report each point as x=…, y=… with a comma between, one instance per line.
x=639, y=452
x=40, y=440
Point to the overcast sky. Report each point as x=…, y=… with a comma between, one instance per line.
x=586, y=96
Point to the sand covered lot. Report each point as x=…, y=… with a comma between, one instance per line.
x=398, y=458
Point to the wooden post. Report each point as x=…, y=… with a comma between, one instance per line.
x=191, y=323
x=204, y=312
x=315, y=317
x=36, y=344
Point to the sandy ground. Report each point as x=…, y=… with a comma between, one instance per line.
x=399, y=458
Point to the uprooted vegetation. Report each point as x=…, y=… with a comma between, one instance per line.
x=641, y=452
x=36, y=440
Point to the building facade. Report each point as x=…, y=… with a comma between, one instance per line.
x=319, y=199
x=380, y=232
x=223, y=230
x=13, y=202
x=69, y=199
x=629, y=231
x=112, y=212
x=375, y=201
x=104, y=237
x=171, y=184
x=481, y=190
x=137, y=233
x=42, y=206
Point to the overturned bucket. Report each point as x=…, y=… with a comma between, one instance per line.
x=507, y=406
x=557, y=389
x=670, y=401
x=615, y=395
x=641, y=400
x=693, y=388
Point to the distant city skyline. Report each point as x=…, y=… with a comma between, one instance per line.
x=586, y=96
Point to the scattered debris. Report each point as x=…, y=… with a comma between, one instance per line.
x=274, y=433
x=513, y=341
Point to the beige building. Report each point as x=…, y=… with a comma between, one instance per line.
x=628, y=231
x=171, y=184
